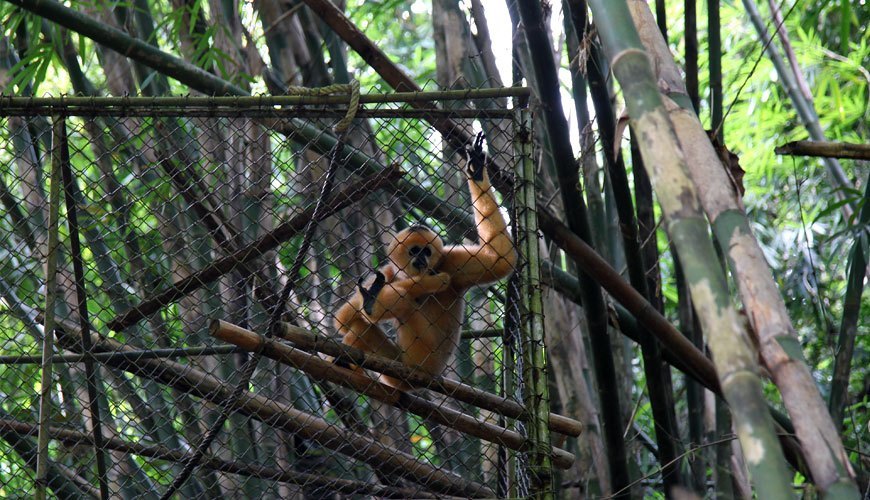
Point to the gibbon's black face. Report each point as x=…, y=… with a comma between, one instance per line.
x=416, y=250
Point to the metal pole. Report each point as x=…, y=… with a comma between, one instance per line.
x=81, y=298
x=50, y=299
x=534, y=357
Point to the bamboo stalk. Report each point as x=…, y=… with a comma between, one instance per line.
x=187, y=379
x=690, y=39
x=851, y=313
x=659, y=385
x=325, y=370
x=306, y=340
x=92, y=377
x=346, y=486
x=694, y=360
x=714, y=43
x=825, y=149
x=252, y=251
x=50, y=300
x=556, y=127
x=678, y=358
x=734, y=358
x=536, y=393
x=779, y=346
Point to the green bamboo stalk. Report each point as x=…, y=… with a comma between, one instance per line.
x=851, y=313
x=779, y=346
x=723, y=476
x=735, y=360
x=535, y=370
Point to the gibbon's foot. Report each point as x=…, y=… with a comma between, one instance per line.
x=370, y=294
x=475, y=159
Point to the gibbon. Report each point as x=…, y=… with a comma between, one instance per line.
x=422, y=288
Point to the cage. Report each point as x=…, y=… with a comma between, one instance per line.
x=172, y=272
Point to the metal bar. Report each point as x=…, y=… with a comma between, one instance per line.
x=169, y=353
x=262, y=100
x=81, y=298
x=251, y=112
x=50, y=299
x=286, y=112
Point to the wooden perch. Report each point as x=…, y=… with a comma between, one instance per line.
x=188, y=379
x=321, y=369
x=347, y=486
x=267, y=242
x=310, y=342
x=825, y=149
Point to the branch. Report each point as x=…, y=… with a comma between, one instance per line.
x=825, y=149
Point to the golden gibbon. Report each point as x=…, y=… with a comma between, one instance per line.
x=421, y=289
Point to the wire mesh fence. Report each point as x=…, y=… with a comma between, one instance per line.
x=246, y=303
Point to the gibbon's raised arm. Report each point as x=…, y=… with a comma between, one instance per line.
x=495, y=256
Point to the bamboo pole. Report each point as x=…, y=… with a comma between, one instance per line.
x=536, y=392
x=734, y=357
x=503, y=406
x=324, y=370
x=851, y=314
x=187, y=379
x=778, y=343
x=92, y=377
x=50, y=299
x=346, y=486
x=825, y=149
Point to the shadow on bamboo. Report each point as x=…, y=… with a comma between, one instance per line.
x=324, y=370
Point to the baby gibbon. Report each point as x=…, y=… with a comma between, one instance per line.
x=422, y=288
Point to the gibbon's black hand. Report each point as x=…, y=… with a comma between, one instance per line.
x=370, y=294
x=475, y=159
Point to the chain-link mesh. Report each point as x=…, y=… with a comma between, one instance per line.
x=188, y=218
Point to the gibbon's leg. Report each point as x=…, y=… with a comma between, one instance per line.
x=360, y=333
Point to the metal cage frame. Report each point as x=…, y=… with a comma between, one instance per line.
x=518, y=421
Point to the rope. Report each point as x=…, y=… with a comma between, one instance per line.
x=279, y=307
x=351, y=89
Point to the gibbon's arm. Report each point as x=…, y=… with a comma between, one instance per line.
x=398, y=299
x=495, y=256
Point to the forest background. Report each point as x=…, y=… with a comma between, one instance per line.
x=810, y=216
